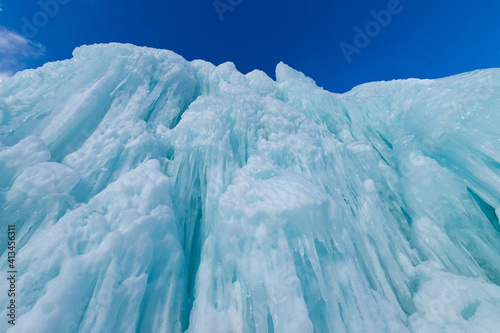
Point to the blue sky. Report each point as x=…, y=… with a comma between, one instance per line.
x=424, y=38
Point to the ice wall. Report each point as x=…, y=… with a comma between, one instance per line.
x=153, y=194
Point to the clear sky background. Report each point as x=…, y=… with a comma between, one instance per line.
x=424, y=39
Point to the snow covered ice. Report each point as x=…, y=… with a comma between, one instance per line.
x=153, y=194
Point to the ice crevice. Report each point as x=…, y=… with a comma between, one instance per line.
x=155, y=194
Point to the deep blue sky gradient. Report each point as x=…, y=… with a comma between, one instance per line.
x=428, y=39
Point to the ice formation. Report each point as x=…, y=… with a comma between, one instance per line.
x=154, y=194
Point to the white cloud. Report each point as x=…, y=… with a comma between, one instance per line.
x=4, y=75
x=15, y=50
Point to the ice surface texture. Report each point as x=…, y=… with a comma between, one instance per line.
x=154, y=194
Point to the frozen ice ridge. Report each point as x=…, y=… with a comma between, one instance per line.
x=153, y=194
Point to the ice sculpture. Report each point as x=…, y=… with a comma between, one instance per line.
x=153, y=194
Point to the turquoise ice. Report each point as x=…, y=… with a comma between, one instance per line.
x=154, y=194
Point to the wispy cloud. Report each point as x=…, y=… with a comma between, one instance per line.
x=15, y=50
